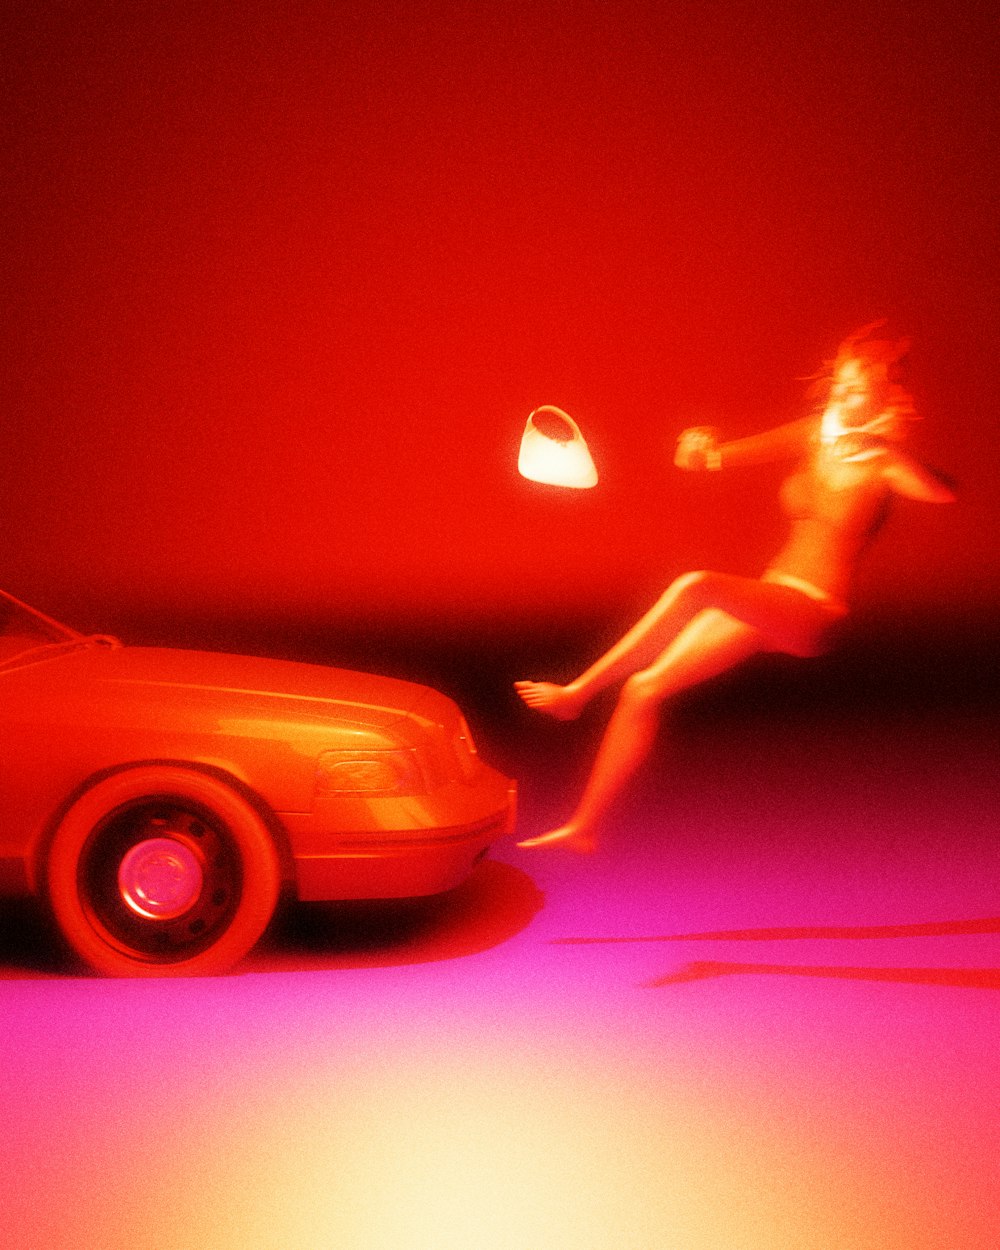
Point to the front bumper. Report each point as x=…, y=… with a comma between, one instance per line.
x=399, y=848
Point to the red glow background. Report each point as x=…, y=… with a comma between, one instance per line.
x=284, y=281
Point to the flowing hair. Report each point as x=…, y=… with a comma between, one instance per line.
x=868, y=349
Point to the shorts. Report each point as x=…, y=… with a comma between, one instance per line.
x=803, y=587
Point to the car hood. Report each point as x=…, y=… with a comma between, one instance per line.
x=276, y=688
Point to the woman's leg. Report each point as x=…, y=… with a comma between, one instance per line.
x=645, y=640
x=786, y=618
x=709, y=645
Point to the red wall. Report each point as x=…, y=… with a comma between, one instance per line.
x=286, y=280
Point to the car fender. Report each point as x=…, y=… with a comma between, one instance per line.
x=36, y=858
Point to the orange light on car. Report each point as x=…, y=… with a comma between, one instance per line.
x=554, y=451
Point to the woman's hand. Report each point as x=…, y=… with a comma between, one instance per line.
x=698, y=449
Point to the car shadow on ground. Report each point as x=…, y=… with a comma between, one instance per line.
x=492, y=906
x=29, y=946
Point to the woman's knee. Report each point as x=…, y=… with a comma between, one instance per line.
x=693, y=589
x=642, y=692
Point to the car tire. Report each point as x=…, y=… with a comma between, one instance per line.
x=162, y=871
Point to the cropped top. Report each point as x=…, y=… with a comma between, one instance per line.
x=848, y=499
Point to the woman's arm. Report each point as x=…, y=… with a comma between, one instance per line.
x=700, y=448
x=913, y=480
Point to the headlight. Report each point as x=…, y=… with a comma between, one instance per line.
x=368, y=772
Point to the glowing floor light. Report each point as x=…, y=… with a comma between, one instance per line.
x=554, y=451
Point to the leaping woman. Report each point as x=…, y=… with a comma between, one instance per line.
x=850, y=467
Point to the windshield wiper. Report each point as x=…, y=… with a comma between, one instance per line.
x=49, y=650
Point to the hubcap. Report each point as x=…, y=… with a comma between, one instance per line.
x=160, y=878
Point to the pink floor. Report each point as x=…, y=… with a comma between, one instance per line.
x=764, y=1016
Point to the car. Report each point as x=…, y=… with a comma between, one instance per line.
x=161, y=801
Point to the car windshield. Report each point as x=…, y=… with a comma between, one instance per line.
x=24, y=631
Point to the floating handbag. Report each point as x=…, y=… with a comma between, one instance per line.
x=554, y=451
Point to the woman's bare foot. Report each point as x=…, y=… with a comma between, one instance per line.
x=562, y=702
x=572, y=838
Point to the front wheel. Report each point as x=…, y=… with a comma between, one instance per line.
x=162, y=871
